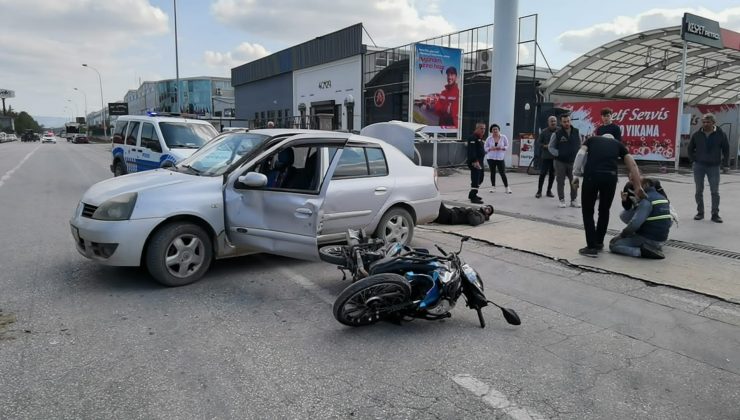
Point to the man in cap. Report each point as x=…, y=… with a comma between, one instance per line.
x=708, y=148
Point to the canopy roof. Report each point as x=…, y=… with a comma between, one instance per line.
x=648, y=65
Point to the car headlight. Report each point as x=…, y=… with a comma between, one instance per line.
x=117, y=208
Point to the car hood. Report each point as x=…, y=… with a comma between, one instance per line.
x=137, y=182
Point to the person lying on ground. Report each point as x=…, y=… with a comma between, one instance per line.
x=463, y=215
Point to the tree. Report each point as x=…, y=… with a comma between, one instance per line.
x=25, y=122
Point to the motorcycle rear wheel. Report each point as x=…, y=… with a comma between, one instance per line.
x=363, y=302
x=333, y=254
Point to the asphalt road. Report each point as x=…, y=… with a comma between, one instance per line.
x=256, y=338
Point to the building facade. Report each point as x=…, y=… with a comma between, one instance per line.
x=313, y=83
x=201, y=96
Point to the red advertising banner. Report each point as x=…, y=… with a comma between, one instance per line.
x=648, y=125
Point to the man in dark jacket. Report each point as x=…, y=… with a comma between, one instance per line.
x=463, y=215
x=648, y=223
x=546, y=158
x=476, y=157
x=708, y=148
x=564, y=145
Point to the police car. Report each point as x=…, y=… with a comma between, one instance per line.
x=142, y=142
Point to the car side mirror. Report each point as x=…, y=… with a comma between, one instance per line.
x=253, y=180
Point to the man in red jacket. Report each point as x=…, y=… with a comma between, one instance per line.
x=449, y=101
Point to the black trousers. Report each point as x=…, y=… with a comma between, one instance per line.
x=499, y=165
x=476, y=178
x=546, y=167
x=603, y=186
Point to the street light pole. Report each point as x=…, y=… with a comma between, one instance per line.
x=100, y=79
x=85, y=96
x=177, y=63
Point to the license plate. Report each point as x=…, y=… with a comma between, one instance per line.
x=76, y=233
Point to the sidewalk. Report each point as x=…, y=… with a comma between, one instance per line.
x=703, y=256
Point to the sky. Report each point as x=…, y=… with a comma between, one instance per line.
x=43, y=43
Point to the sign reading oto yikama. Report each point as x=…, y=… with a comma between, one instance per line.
x=648, y=125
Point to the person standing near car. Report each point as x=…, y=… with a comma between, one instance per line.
x=564, y=145
x=600, y=180
x=476, y=155
x=495, y=146
x=708, y=148
x=546, y=158
x=608, y=127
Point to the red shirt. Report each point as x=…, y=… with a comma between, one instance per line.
x=448, y=105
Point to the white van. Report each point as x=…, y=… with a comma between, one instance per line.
x=142, y=142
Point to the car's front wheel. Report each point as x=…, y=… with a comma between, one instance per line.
x=119, y=168
x=179, y=254
x=397, y=225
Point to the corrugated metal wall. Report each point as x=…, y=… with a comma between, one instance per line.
x=324, y=49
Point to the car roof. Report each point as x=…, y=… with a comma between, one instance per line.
x=158, y=118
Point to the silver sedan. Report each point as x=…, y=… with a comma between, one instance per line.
x=281, y=192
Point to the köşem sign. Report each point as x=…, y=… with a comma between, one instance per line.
x=648, y=125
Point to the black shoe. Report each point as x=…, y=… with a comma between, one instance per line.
x=550, y=194
x=589, y=252
x=538, y=195
x=476, y=200
x=699, y=216
x=716, y=218
x=599, y=247
x=651, y=252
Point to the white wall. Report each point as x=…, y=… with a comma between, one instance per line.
x=345, y=78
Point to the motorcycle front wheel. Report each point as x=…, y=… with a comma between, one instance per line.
x=333, y=254
x=368, y=300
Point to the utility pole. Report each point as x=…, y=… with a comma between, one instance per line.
x=177, y=63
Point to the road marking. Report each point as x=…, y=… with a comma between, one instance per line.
x=307, y=284
x=495, y=399
x=10, y=172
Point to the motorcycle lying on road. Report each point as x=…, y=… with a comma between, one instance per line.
x=393, y=282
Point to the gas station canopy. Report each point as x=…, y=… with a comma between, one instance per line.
x=648, y=65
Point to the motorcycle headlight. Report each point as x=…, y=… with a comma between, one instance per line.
x=117, y=208
x=472, y=276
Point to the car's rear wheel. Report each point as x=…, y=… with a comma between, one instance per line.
x=119, y=168
x=397, y=225
x=179, y=254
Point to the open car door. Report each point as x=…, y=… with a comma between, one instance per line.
x=274, y=203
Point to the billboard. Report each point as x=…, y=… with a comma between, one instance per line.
x=648, y=125
x=436, y=88
x=5, y=93
x=117, y=108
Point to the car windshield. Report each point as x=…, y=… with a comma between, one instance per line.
x=186, y=135
x=215, y=157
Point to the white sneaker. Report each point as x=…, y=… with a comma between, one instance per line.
x=575, y=204
x=508, y=190
x=562, y=204
x=493, y=190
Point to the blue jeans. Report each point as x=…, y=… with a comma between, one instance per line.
x=712, y=173
x=631, y=246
